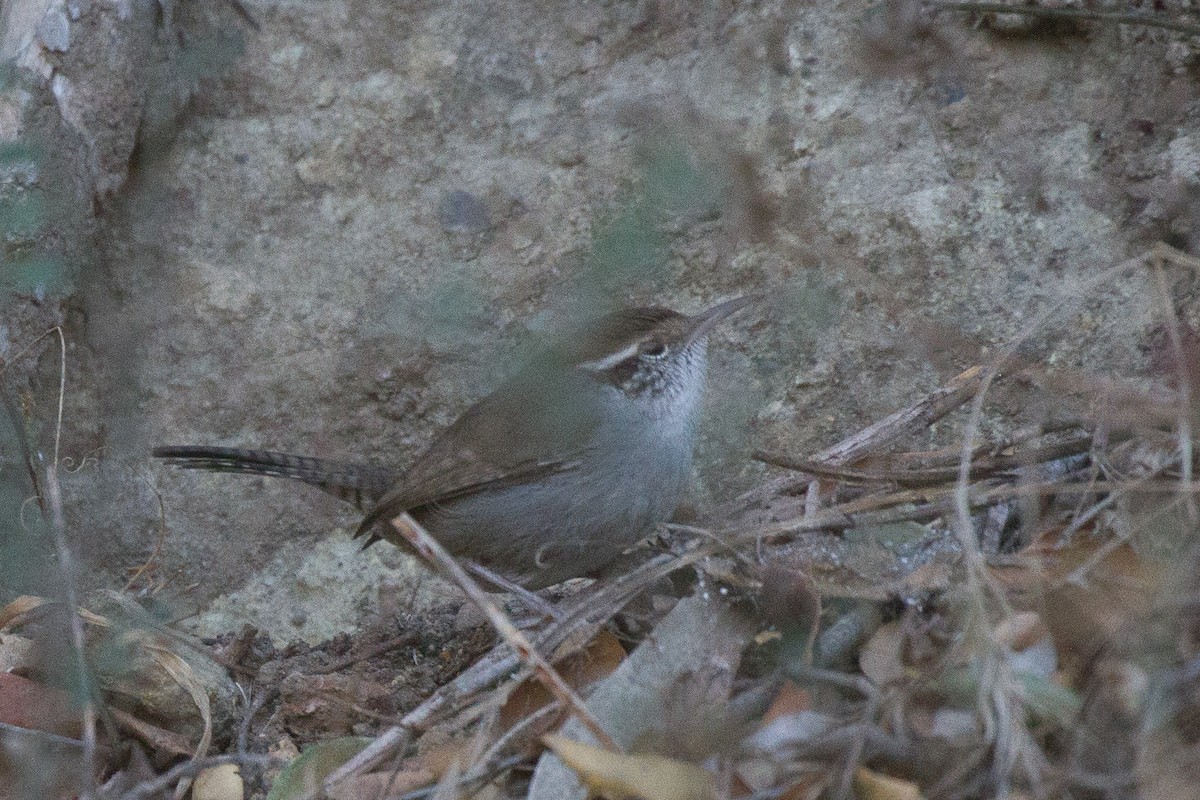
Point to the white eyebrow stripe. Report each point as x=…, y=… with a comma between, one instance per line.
x=602, y=364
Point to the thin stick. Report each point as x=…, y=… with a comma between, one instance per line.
x=393, y=643
x=585, y=614
x=156, y=737
x=433, y=552
x=464, y=781
x=1164, y=252
x=152, y=561
x=1114, y=17
x=187, y=769
x=1184, y=417
x=580, y=621
x=962, y=503
x=66, y=565
x=933, y=475
x=910, y=419
x=916, y=417
x=492, y=754
x=62, y=390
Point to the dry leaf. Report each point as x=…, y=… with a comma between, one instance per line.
x=303, y=776
x=881, y=660
x=581, y=670
x=625, y=777
x=1030, y=645
x=871, y=785
x=374, y=785
x=1122, y=685
x=954, y=723
x=27, y=704
x=19, y=608
x=1021, y=631
x=931, y=577
x=788, y=732
x=790, y=699
x=1086, y=591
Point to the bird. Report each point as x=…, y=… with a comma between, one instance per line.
x=552, y=476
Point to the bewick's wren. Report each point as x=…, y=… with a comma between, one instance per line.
x=555, y=473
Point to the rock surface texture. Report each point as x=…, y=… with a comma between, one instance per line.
x=359, y=223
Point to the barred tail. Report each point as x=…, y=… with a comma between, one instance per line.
x=359, y=484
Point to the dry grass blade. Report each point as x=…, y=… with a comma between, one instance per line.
x=67, y=569
x=1011, y=752
x=997, y=701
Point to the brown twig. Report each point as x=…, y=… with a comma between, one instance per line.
x=582, y=618
x=379, y=649
x=949, y=456
x=245, y=14
x=153, y=736
x=189, y=769
x=980, y=468
x=1078, y=14
x=908, y=420
x=1184, y=416
x=579, y=618
x=478, y=778
x=927, y=504
x=911, y=419
x=433, y=552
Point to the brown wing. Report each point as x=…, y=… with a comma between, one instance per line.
x=539, y=423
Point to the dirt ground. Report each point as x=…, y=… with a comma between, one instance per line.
x=361, y=222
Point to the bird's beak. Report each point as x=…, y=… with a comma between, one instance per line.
x=704, y=322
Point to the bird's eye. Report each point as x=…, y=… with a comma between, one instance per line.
x=653, y=348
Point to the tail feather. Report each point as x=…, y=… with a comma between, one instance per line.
x=359, y=484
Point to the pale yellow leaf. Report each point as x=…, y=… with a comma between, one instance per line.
x=871, y=785
x=624, y=777
x=223, y=782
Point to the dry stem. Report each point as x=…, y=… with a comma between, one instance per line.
x=1081, y=14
